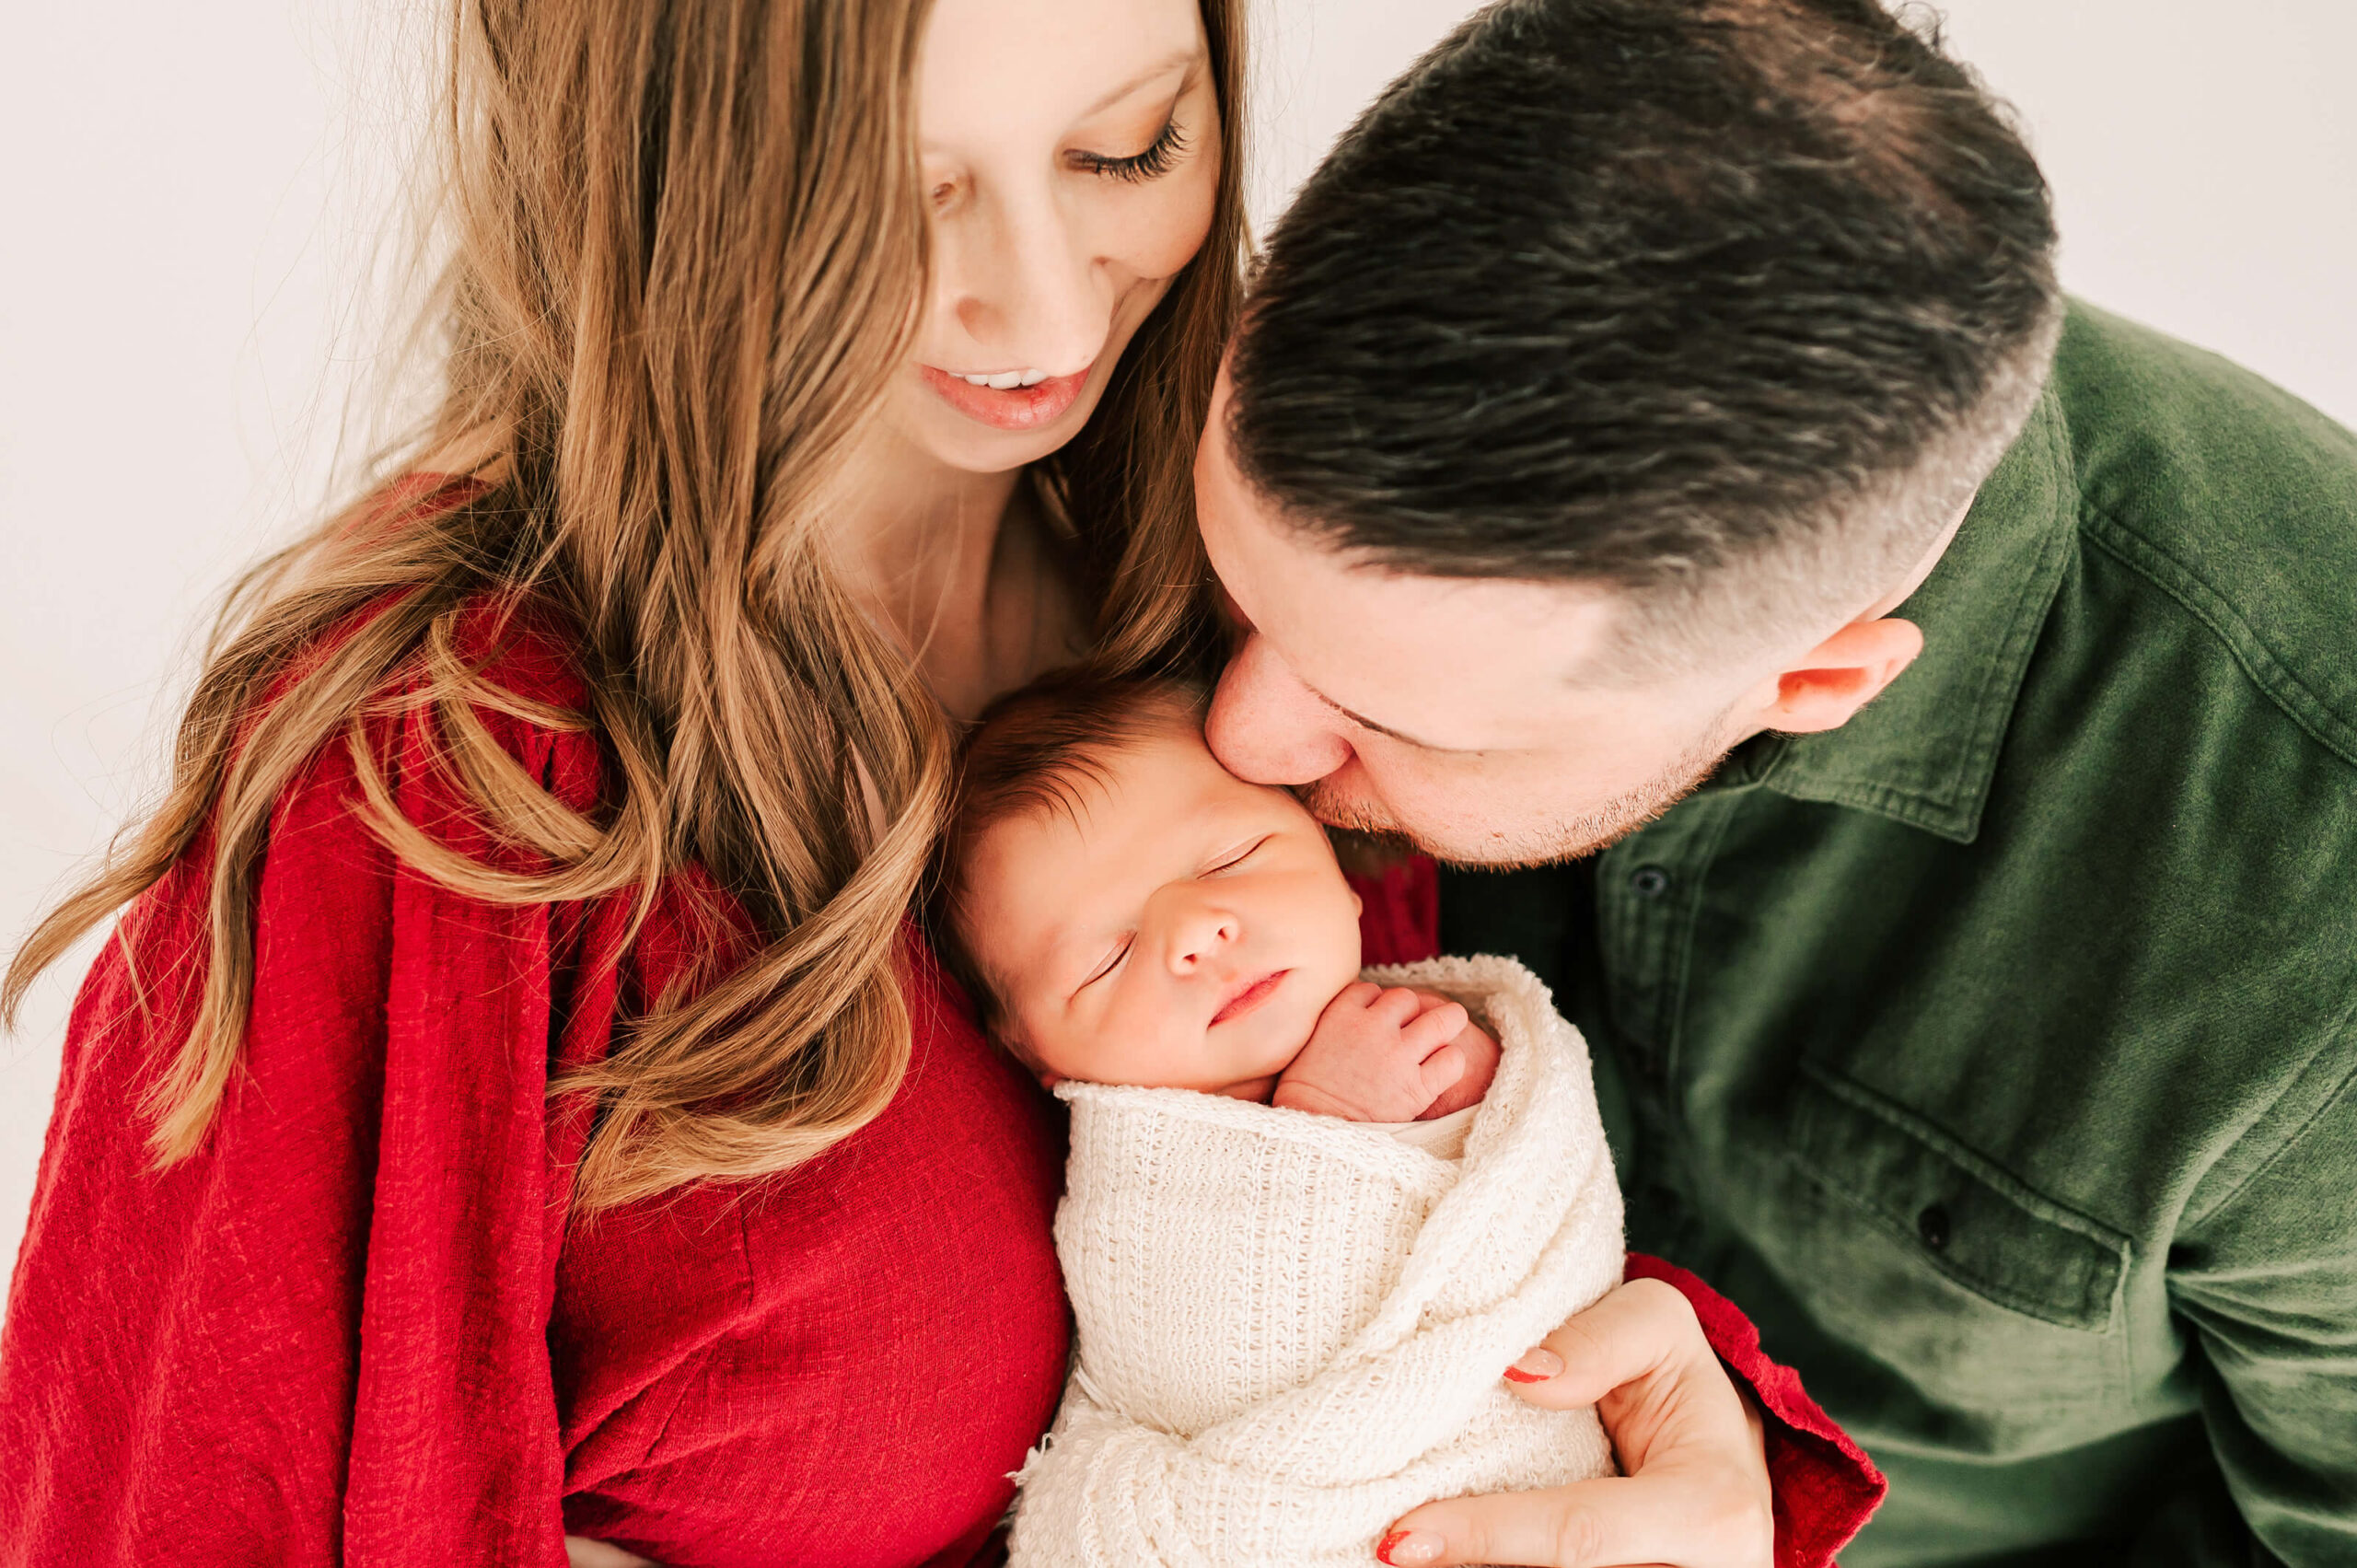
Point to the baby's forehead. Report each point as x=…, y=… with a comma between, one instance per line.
x=1053, y=832
x=1100, y=788
x=1108, y=819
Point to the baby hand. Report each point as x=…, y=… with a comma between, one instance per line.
x=1376, y=1055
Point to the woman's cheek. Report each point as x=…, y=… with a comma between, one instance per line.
x=1168, y=219
x=1171, y=237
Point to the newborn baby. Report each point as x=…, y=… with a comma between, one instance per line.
x=1172, y=926
x=1309, y=1217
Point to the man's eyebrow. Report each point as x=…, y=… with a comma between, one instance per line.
x=1365, y=722
x=1153, y=73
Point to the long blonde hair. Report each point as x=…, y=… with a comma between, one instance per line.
x=685, y=238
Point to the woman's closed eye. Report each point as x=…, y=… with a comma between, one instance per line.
x=1159, y=157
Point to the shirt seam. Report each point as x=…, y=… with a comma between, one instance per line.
x=2284, y=688
x=2192, y=1221
x=2001, y=1178
x=681, y=1376
x=1706, y=856
x=2032, y=615
x=2004, y=679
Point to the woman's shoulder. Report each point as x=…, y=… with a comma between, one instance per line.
x=521, y=643
x=505, y=666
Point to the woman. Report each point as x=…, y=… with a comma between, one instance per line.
x=512, y=1101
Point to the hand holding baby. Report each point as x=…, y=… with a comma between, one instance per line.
x=1389, y=1056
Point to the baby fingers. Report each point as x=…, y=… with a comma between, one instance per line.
x=1437, y=1026
x=1439, y=1072
x=1396, y=1006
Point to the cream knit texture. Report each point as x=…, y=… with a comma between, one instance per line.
x=1292, y=1327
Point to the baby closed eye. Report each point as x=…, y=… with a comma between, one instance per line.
x=1112, y=962
x=1236, y=857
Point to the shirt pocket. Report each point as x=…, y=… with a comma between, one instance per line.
x=2001, y=1307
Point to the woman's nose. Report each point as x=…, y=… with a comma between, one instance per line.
x=1024, y=282
x=1266, y=728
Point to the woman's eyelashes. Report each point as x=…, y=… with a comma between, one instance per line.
x=1159, y=157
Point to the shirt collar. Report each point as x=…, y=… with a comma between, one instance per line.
x=1926, y=750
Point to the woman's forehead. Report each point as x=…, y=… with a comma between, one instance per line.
x=991, y=66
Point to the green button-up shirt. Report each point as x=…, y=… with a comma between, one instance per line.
x=1998, y=1050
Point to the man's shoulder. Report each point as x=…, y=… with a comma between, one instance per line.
x=2228, y=494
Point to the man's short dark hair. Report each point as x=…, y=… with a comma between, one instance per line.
x=1634, y=291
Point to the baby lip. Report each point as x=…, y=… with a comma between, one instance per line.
x=1249, y=996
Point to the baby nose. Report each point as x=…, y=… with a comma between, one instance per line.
x=1200, y=933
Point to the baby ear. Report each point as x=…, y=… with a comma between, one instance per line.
x=1049, y=1078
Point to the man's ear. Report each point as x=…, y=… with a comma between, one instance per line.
x=1825, y=686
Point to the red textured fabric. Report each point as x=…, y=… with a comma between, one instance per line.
x=355, y=1328
x=1399, y=912
x=1826, y=1488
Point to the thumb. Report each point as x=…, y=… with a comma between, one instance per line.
x=1635, y=1331
x=1589, y=1524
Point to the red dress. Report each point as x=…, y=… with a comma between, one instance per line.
x=357, y=1328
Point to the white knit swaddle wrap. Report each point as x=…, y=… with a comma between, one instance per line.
x=1292, y=1327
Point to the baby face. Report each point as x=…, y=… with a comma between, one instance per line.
x=1178, y=928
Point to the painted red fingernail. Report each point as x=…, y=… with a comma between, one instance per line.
x=1404, y=1548
x=1536, y=1365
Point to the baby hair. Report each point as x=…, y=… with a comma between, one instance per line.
x=1032, y=752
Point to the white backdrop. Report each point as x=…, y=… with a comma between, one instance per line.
x=191, y=196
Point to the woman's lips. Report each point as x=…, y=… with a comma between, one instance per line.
x=1017, y=408
x=1251, y=997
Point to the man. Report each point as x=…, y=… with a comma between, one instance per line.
x=1656, y=456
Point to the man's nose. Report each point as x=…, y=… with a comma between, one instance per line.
x=1266, y=728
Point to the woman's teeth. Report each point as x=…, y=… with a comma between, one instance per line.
x=1006, y=381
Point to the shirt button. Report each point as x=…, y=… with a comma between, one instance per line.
x=1932, y=1225
x=1649, y=881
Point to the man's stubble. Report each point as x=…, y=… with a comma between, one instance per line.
x=1538, y=843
